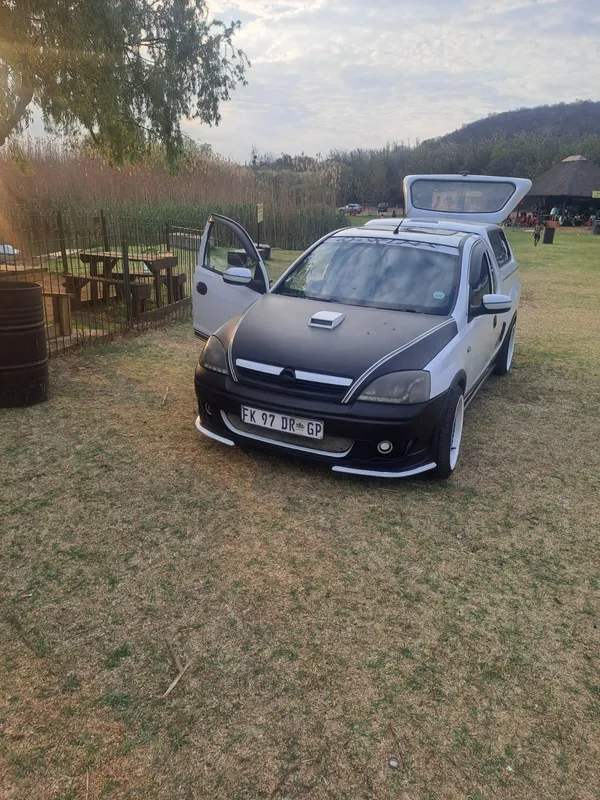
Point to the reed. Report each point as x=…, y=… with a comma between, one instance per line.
x=39, y=177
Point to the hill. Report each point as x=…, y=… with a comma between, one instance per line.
x=581, y=118
x=525, y=142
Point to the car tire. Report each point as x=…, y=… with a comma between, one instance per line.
x=505, y=356
x=450, y=433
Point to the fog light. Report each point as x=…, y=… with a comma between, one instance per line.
x=385, y=447
x=208, y=409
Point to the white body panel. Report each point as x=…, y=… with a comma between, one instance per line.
x=477, y=343
x=479, y=340
x=221, y=304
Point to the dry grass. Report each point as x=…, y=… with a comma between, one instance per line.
x=49, y=174
x=334, y=622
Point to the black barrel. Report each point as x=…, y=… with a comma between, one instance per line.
x=549, y=235
x=23, y=352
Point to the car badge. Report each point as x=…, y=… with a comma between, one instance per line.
x=287, y=377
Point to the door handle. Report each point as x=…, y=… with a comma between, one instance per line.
x=495, y=321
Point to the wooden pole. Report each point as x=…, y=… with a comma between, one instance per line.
x=105, y=243
x=63, y=246
x=126, y=283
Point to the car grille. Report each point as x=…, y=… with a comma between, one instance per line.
x=328, y=444
x=299, y=389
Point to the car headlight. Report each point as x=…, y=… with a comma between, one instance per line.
x=411, y=386
x=214, y=356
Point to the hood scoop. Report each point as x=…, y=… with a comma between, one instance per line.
x=326, y=319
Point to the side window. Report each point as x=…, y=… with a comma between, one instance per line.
x=500, y=247
x=505, y=245
x=225, y=249
x=480, y=278
x=216, y=255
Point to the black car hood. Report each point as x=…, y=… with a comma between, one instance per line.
x=275, y=331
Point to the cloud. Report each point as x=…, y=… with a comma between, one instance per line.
x=343, y=73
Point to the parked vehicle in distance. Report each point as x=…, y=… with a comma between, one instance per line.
x=8, y=254
x=382, y=208
x=352, y=208
x=367, y=350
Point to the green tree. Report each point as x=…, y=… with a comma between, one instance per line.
x=126, y=71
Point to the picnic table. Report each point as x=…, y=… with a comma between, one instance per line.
x=102, y=264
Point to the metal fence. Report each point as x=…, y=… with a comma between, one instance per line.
x=101, y=275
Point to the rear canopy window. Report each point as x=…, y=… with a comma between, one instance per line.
x=395, y=274
x=500, y=247
x=462, y=197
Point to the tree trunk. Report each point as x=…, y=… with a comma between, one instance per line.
x=23, y=100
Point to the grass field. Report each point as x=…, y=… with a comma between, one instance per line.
x=332, y=623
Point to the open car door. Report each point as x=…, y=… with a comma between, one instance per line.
x=222, y=286
x=473, y=198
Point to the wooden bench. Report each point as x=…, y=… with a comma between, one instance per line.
x=74, y=285
x=140, y=296
x=141, y=283
x=61, y=313
x=179, y=286
x=139, y=278
x=103, y=263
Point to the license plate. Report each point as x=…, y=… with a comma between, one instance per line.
x=311, y=428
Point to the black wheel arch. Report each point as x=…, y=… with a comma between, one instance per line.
x=460, y=379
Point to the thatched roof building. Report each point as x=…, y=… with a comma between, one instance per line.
x=573, y=180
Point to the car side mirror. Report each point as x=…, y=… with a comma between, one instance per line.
x=497, y=303
x=237, y=276
x=492, y=304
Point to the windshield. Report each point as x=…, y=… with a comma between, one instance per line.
x=394, y=274
x=464, y=197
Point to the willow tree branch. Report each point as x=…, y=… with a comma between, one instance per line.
x=8, y=125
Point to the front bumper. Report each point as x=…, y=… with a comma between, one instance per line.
x=352, y=431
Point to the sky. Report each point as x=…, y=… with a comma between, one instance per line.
x=330, y=74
